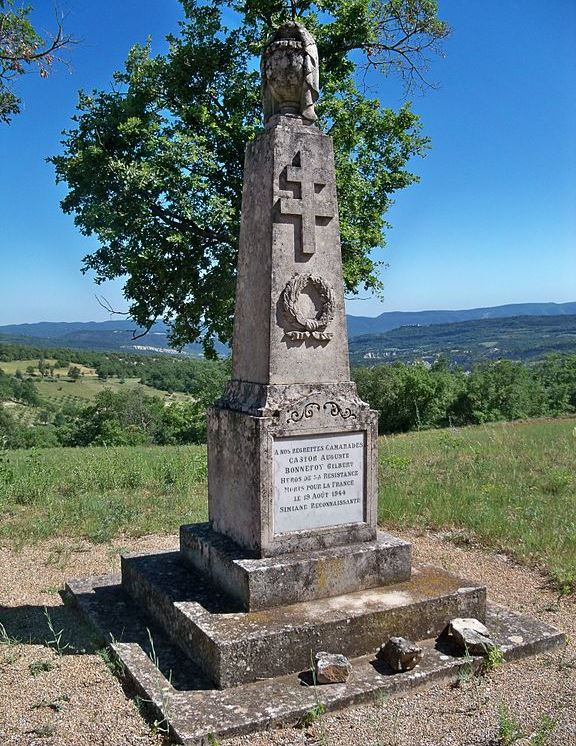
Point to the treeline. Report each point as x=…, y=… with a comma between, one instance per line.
x=125, y=417
x=199, y=378
x=411, y=397
x=408, y=397
x=17, y=389
x=15, y=351
x=194, y=376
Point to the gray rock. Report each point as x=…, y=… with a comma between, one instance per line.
x=470, y=634
x=332, y=668
x=400, y=654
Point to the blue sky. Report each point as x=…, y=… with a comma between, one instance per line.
x=493, y=220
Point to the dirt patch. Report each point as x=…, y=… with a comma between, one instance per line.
x=68, y=697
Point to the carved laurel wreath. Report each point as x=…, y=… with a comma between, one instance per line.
x=311, y=327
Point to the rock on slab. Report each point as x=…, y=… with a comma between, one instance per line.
x=332, y=668
x=470, y=634
x=400, y=654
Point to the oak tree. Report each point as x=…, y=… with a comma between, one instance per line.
x=154, y=165
x=23, y=49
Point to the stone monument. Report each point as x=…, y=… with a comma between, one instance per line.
x=292, y=460
x=291, y=562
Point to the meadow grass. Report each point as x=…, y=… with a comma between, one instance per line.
x=507, y=486
x=510, y=486
x=99, y=493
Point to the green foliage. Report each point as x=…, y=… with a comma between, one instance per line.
x=408, y=397
x=38, y=667
x=543, y=734
x=96, y=414
x=14, y=388
x=411, y=397
x=313, y=715
x=493, y=659
x=118, y=418
x=509, y=730
x=498, y=391
x=74, y=372
x=557, y=376
x=21, y=47
x=131, y=418
x=154, y=166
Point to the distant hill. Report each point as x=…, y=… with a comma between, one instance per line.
x=395, y=319
x=419, y=333
x=110, y=336
x=469, y=342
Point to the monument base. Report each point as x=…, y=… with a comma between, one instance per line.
x=234, y=647
x=258, y=584
x=181, y=697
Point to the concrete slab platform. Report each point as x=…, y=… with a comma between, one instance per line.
x=180, y=697
x=301, y=576
x=234, y=647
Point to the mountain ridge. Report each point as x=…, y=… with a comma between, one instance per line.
x=388, y=320
x=356, y=324
x=118, y=334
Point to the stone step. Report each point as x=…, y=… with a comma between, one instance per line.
x=197, y=714
x=299, y=576
x=233, y=647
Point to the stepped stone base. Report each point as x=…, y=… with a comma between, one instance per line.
x=287, y=579
x=234, y=647
x=179, y=693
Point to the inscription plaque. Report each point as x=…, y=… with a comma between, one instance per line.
x=318, y=481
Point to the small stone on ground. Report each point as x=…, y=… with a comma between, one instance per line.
x=400, y=654
x=470, y=635
x=332, y=668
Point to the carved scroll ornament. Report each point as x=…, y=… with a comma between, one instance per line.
x=311, y=408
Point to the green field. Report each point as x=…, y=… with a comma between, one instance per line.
x=99, y=493
x=509, y=486
x=59, y=389
x=86, y=388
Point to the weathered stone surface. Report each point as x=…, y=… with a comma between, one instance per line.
x=289, y=71
x=234, y=647
x=193, y=709
x=300, y=576
x=289, y=230
x=290, y=368
x=243, y=477
x=400, y=654
x=470, y=634
x=331, y=668
x=291, y=402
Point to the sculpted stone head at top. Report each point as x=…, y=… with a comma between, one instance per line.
x=289, y=70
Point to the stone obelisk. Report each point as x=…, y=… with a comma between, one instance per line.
x=292, y=460
x=291, y=563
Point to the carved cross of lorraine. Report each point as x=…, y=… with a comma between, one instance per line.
x=306, y=206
